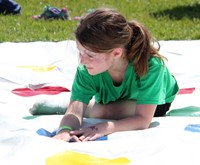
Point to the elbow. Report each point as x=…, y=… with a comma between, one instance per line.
x=146, y=126
x=144, y=123
x=143, y=127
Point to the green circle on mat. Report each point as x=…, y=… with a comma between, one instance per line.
x=29, y=117
x=191, y=111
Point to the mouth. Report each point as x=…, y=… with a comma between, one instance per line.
x=88, y=68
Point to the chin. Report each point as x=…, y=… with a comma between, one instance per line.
x=93, y=73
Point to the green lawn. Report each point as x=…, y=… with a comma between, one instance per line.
x=166, y=19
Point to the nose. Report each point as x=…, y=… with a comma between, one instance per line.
x=83, y=60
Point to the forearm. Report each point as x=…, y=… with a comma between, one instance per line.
x=68, y=123
x=74, y=115
x=71, y=120
x=140, y=120
x=131, y=123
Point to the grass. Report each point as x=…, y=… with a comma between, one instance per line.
x=166, y=19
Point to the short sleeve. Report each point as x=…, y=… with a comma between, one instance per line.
x=152, y=86
x=83, y=88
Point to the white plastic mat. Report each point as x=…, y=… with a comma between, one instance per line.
x=40, y=64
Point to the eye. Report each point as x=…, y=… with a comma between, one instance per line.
x=91, y=56
x=82, y=54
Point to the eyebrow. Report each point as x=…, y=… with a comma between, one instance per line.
x=87, y=52
x=90, y=52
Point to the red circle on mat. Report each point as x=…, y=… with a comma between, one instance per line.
x=48, y=90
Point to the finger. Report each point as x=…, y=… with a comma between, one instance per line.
x=62, y=136
x=86, y=137
x=78, y=132
x=93, y=138
x=74, y=139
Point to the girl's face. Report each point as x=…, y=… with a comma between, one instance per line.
x=95, y=62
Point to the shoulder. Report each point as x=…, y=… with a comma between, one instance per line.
x=156, y=67
x=156, y=64
x=156, y=61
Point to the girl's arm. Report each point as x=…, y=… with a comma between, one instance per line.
x=72, y=120
x=140, y=120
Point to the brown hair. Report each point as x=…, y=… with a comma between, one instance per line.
x=105, y=29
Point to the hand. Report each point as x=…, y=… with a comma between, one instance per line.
x=66, y=136
x=89, y=133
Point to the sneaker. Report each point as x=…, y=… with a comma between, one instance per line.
x=53, y=13
x=9, y=7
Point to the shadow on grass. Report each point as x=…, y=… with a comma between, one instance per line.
x=179, y=12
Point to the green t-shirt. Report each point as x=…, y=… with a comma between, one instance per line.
x=158, y=86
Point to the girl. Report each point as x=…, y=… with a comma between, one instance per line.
x=127, y=76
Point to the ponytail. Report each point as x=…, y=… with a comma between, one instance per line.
x=140, y=48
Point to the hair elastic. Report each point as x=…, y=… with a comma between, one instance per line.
x=64, y=127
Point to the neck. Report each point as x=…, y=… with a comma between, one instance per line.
x=118, y=70
x=119, y=65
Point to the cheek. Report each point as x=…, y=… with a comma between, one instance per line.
x=101, y=63
x=98, y=61
x=106, y=60
x=85, y=60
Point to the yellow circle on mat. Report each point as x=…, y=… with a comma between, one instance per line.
x=76, y=158
x=45, y=68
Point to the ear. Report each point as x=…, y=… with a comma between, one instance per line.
x=117, y=52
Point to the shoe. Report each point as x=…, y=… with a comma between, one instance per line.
x=53, y=13
x=9, y=7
